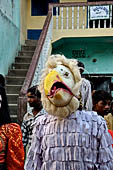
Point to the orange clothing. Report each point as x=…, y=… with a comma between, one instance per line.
x=109, y=121
x=11, y=147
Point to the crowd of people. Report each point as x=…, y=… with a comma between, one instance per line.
x=68, y=126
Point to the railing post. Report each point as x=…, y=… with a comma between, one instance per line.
x=83, y=9
x=67, y=18
x=22, y=108
x=88, y=17
x=57, y=18
x=111, y=16
x=78, y=17
x=72, y=17
x=62, y=18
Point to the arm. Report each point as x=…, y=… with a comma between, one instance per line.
x=88, y=97
x=24, y=134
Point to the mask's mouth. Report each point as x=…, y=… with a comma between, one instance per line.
x=57, y=86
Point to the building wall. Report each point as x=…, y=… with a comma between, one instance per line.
x=23, y=21
x=58, y=34
x=34, y=22
x=37, y=22
x=95, y=52
x=9, y=33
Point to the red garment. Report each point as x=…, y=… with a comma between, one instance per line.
x=111, y=133
x=11, y=146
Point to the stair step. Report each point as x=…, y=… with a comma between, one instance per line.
x=20, y=65
x=31, y=42
x=28, y=48
x=16, y=76
x=15, y=80
x=26, y=53
x=17, y=72
x=23, y=59
x=13, y=112
x=14, y=118
x=10, y=89
x=12, y=98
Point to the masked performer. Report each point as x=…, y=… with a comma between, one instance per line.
x=66, y=138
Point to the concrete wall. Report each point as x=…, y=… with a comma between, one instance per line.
x=23, y=20
x=9, y=33
x=36, y=22
x=97, y=55
x=58, y=34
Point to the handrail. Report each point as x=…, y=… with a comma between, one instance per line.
x=22, y=101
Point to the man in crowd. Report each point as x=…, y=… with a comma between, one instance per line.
x=85, y=90
x=34, y=101
x=101, y=102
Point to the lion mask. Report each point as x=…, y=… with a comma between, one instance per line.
x=59, y=86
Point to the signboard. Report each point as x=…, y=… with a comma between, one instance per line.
x=78, y=54
x=99, y=12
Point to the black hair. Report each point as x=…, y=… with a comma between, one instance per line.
x=2, y=80
x=34, y=90
x=81, y=67
x=111, y=103
x=4, y=110
x=99, y=95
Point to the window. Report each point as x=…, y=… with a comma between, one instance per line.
x=40, y=7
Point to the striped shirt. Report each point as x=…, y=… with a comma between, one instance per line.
x=27, y=127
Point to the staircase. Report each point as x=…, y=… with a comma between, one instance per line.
x=16, y=75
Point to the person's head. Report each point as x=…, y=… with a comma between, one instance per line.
x=101, y=102
x=4, y=111
x=2, y=80
x=34, y=97
x=81, y=67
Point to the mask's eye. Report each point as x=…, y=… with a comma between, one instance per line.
x=66, y=74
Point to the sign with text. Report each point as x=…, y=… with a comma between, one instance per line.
x=78, y=54
x=99, y=12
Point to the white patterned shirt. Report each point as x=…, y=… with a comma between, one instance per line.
x=79, y=142
x=86, y=95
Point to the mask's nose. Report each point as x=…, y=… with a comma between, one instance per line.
x=50, y=79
